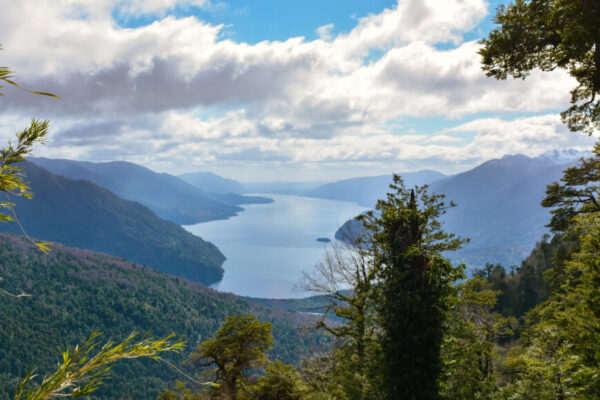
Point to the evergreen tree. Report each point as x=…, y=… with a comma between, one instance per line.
x=551, y=34
x=415, y=288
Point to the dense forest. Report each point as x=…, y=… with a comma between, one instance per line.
x=73, y=292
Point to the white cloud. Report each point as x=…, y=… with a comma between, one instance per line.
x=324, y=32
x=300, y=102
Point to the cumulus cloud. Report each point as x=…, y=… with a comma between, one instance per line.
x=177, y=90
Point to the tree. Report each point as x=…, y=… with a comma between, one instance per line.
x=346, y=277
x=559, y=357
x=551, y=34
x=470, y=343
x=415, y=287
x=579, y=192
x=281, y=382
x=237, y=346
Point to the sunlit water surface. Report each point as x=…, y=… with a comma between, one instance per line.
x=269, y=245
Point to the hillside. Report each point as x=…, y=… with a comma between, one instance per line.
x=81, y=214
x=212, y=183
x=74, y=292
x=168, y=196
x=498, y=207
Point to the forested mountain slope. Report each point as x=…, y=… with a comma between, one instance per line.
x=498, y=207
x=169, y=197
x=81, y=214
x=74, y=292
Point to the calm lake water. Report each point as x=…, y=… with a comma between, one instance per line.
x=269, y=245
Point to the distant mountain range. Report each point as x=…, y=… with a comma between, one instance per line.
x=82, y=214
x=367, y=190
x=498, y=201
x=293, y=188
x=168, y=196
x=498, y=205
x=209, y=182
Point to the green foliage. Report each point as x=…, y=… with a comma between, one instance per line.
x=551, y=34
x=559, y=355
x=226, y=359
x=469, y=350
x=280, y=382
x=11, y=176
x=80, y=373
x=579, y=192
x=237, y=346
x=11, y=173
x=415, y=288
x=524, y=287
x=74, y=292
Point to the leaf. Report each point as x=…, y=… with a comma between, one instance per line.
x=44, y=246
x=47, y=94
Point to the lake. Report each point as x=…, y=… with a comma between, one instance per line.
x=269, y=245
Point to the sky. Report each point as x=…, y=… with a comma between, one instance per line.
x=272, y=90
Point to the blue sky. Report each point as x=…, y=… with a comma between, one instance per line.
x=274, y=90
x=255, y=21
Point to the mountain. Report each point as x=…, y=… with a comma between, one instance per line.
x=74, y=292
x=564, y=156
x=293, y=188
x=82, y=214
x=212, y=183
x=367, y=190
x=168, y=196
x=498, y=207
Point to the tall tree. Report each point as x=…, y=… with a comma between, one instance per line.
x=551, y=34
x=347, y=278
x=237, y=346
x=415, y=287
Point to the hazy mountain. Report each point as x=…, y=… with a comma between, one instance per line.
x=367, y=190
x=212, y=183
x=168, y=196
x=498, y=207
x=74, y=292
x=82, y=214
x=294, y=188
